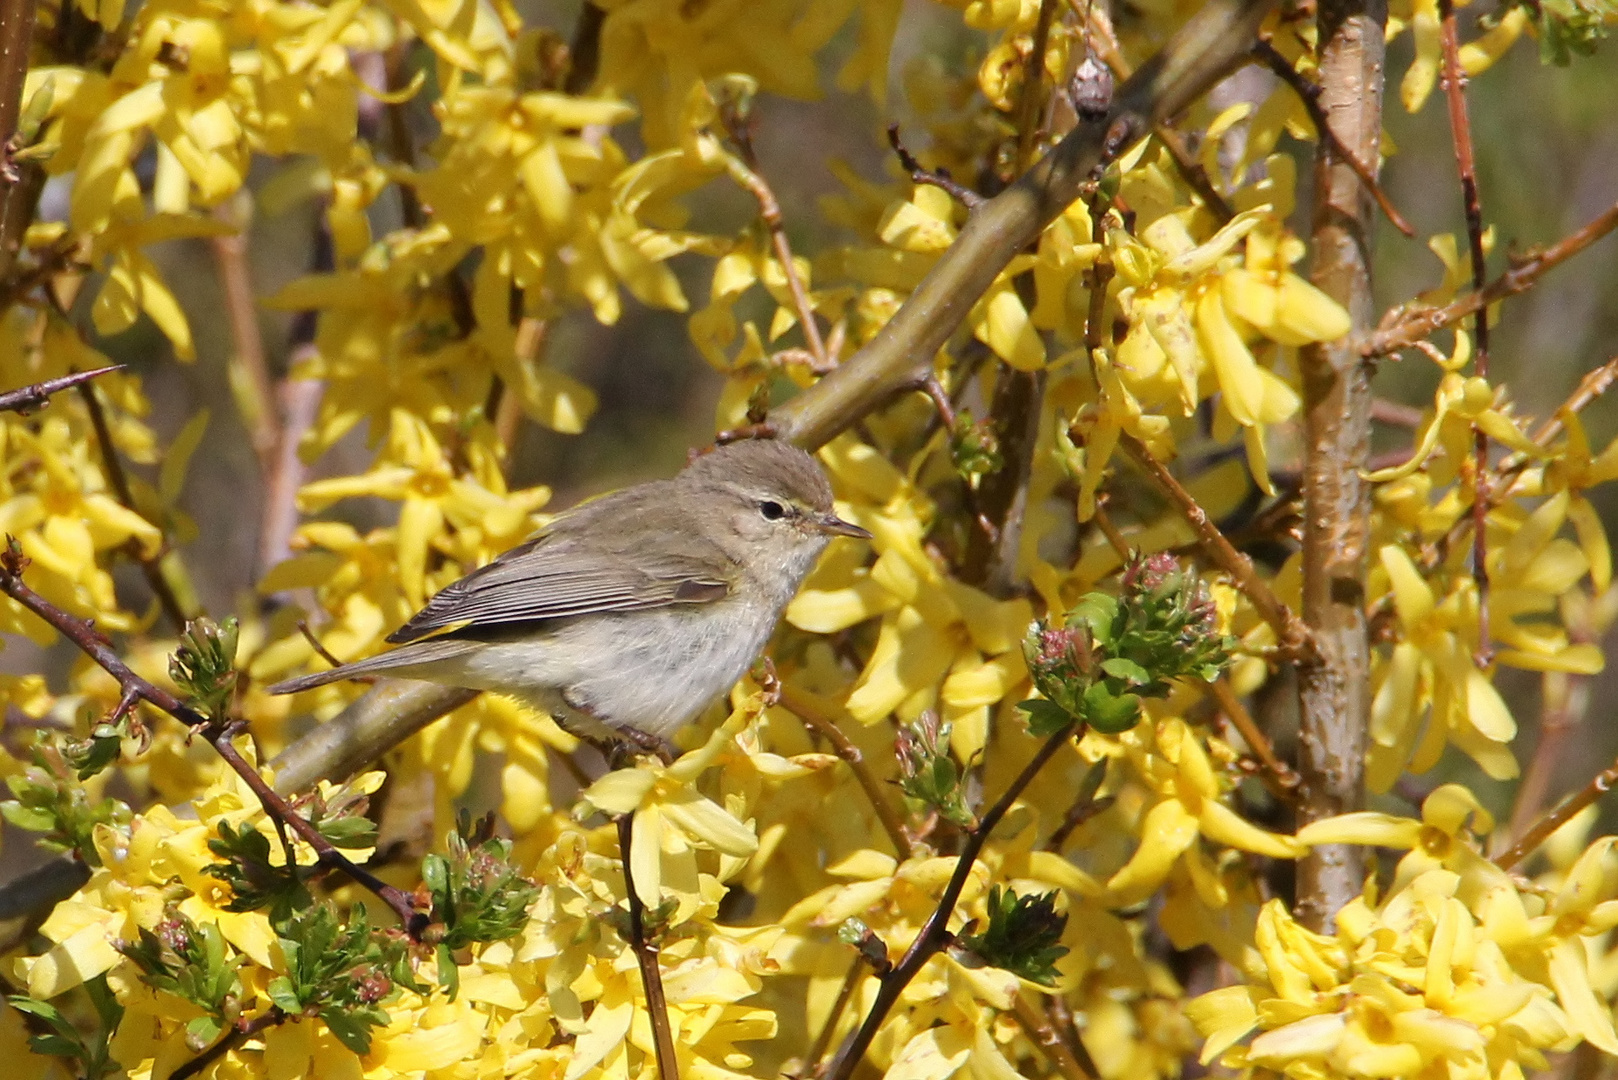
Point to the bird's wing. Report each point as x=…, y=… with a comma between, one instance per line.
x=550, y=577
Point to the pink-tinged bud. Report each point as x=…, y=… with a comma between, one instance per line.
x=370, y=984
x=174, y=934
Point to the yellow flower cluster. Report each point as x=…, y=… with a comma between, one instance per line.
x=1458, y=970
x=758, y=854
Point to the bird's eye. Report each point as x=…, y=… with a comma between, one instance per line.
x=772, y=510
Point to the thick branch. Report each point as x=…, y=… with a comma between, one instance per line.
x=19, y=183
x=901, y=354
x=1334, y=685
x=1207, y=47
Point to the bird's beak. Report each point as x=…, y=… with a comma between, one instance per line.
x=832, y=525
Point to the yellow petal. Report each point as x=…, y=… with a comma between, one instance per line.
x=1412, y=597
x=1366, y=827
x=1233, y=363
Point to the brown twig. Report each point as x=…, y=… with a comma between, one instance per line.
x=851, y=983
x=815, y=718
x=239, y=1032
x=262, y=418
x=1109, y=529
x=151, y=567
x=1085, y=806
x=745, y=173
x=651, y=975
x=1294, y=637
x=1564, y=812
x=1037, y=1027
x=18, y=183
x=935, y=934
x=1566, y=700
x=1405, y=326
x=218, y=734
x=1284, y=781
x=28, y=398
x=1031, y=99
x=938, y=178
x=1309, y=94
x=1454, y=83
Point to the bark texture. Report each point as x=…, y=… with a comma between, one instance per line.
x=1334, y=687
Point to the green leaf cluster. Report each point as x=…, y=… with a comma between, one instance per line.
x=190, y=961
x=49, y=799
x=974, y=448
x=204, y=666
x=927, y=773
x=340, y=972
x=255, y=882
x=1112, y=651
x=61, y=1038
x=476, y=895
x=1022, y=935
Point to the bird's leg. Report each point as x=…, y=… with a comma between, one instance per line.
x=647, y=742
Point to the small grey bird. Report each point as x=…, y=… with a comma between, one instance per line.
x=628, y=615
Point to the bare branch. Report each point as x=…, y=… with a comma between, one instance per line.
x=219, y=735
x=651, y=973
x=1405, y=326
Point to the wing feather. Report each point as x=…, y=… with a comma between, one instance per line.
x=554, y=577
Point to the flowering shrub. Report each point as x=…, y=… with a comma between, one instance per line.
x=999, y=805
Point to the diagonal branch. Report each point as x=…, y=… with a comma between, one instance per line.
x=1292, y=634
x=1406, y=325
x=1214, y=41
x=218, y=735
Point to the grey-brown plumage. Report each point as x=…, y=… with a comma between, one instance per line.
x=633, y=611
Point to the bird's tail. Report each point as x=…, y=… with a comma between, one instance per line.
x=412, y=661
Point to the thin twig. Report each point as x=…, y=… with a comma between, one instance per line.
x=1565, y=812
x=151, y=567
x=1284, y=781
x=1405, y=326
x=814, y=717
x=239, y=1033
x=935, y=934
x=28, y=398
x=746, y=173
x=1109, y=529
x=262, y=418
x=1039, y=1031
x=1454, y=82
x=1566, y=701
x=1031, y=101
x=651, y=975
x=851, y=982
x=938, y=178
x=218, y=735
x=1309, y=95
x=1292, y=634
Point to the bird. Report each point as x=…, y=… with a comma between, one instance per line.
x=625, y=617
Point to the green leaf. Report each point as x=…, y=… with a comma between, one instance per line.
x=1046, y=718
x=1127, y=670
x=1110, y=714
